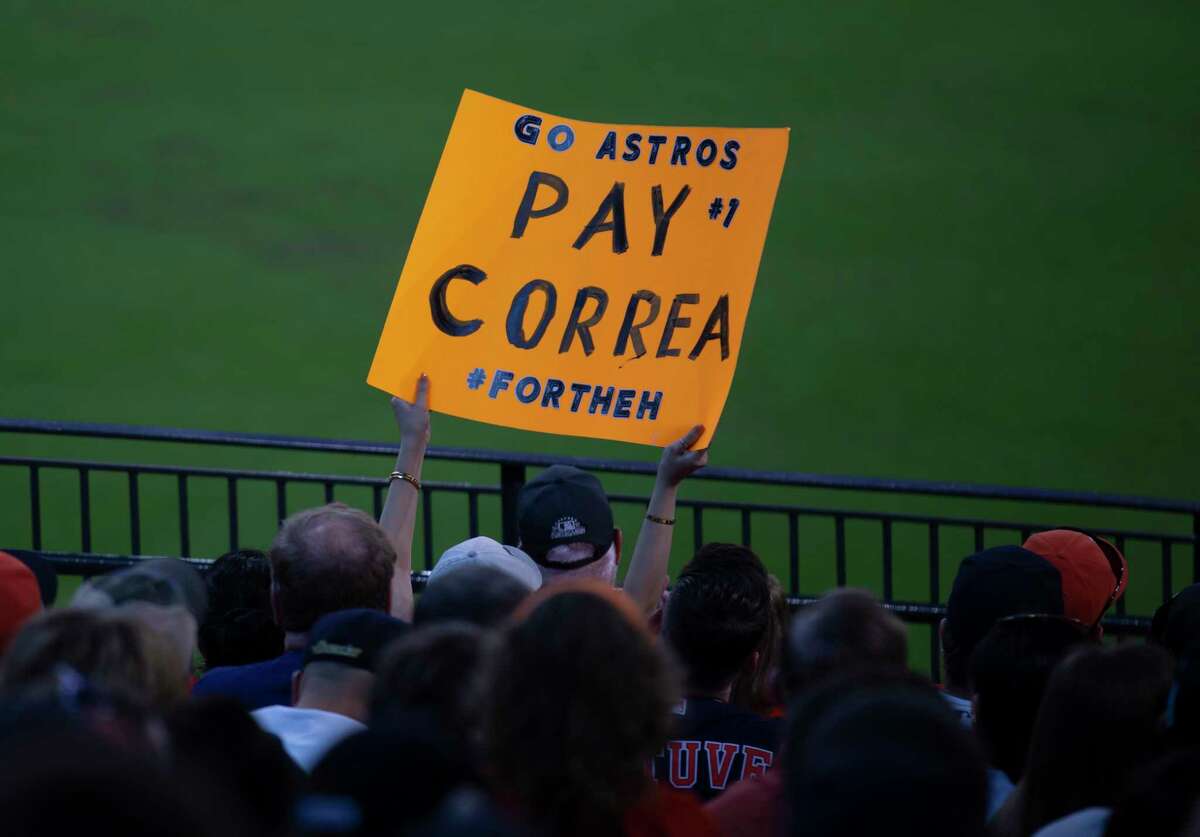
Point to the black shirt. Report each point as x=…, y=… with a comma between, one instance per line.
x=714, y=745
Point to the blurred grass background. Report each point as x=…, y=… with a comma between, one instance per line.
x=982, y=266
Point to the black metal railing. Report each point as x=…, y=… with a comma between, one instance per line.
x=815, y=534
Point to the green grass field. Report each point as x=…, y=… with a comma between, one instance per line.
x=983, y=264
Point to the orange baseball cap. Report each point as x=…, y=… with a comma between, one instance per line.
x=1094, y=572
x=20, y=597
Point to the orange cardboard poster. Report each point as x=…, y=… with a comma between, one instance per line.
x=582, y=278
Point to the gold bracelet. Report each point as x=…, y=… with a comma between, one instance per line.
x=409, y=478
x=665, y=521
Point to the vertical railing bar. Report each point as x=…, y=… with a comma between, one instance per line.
x=697, y=528
x=935, y=596
x=512, y=478
x=1025, y=534
x=85, y=511
x=978, y=537
x=793, y=554
x=1168, y=586
x=473, y=513
x=886, y=525
x=329, y=491
x=135, y=514
x=233, y=513
x=377, y=500
x=185, y=540
x=280, y=501
x=839, y=528
x=1196, y=547
x=745, y=527
x=1120, y=607
x=427, y=525
x=935, y=564
x=35, y=505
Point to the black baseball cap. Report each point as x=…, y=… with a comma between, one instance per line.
x=1177, y=621
x=352, y=637
x=998, y=582
x=564, y=505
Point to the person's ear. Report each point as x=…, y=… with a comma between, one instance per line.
x=618, y=540
x=297, y=685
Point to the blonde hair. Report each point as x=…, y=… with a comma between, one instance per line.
x=170, y=637
x=112, y=649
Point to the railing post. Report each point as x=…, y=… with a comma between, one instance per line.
x=1168, y=587
x=512, y=477
x=185, y=541
x=1196, y=547
x=85, y=511
x=35, y=506
x=427, y=525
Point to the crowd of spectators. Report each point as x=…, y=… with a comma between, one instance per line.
x=306, y=690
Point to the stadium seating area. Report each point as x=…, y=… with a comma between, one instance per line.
x=305, y=689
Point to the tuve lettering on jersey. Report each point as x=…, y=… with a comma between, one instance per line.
x=717, y=763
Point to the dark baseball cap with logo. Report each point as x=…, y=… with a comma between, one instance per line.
x=354, y=638
x=564, y=505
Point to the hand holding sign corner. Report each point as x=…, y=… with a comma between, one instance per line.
x=568, y=277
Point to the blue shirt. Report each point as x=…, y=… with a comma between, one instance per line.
x=255, y=685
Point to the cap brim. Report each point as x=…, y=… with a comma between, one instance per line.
x=1115, y=559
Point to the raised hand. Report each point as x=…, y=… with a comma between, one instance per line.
x=412, y=417
x=400, y=509
x=679, y=461
x=647, y=576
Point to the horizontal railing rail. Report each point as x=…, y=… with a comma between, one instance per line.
x=799, y=539
x=92, y=564
x=792, y=478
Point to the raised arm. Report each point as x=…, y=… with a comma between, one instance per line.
x=400, y=510
x=647, y=575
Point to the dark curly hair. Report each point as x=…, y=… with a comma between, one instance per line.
x=580, y=701
x=239, y=627
x=717, y=614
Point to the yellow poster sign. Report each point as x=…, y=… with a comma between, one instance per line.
x=582, y=278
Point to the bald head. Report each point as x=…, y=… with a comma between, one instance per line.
x=844, y=629
x=325, y=559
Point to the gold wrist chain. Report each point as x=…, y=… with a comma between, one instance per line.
x=409, y=478
x=665, y=521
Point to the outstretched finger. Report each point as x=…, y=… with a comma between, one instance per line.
x=691, y=437
x=422, y=398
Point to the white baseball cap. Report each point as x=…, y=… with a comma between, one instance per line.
x=485, y=552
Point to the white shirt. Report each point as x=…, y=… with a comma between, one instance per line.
x=1089, y=822
x=999, y=787
x=962, y=707
x=307, y=734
